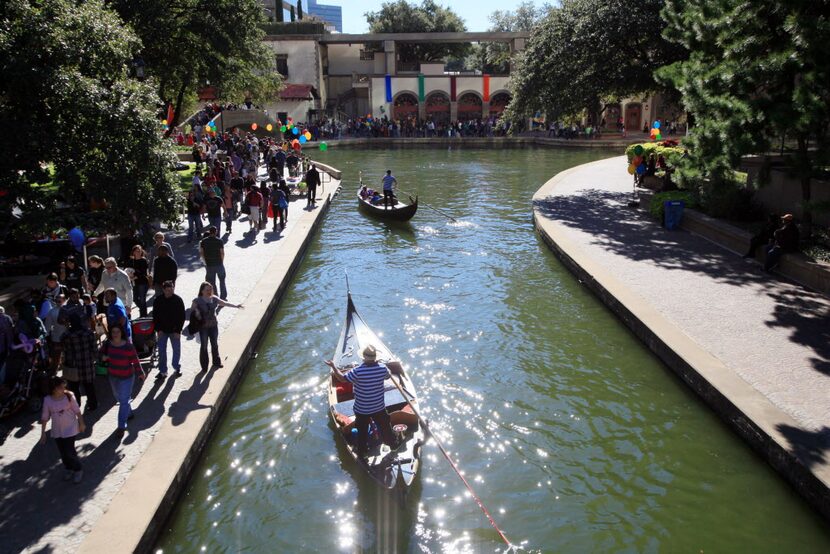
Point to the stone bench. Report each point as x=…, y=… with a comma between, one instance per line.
x=815, y=275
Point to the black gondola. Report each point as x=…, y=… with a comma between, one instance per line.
x=399, y=212
x=390, y=468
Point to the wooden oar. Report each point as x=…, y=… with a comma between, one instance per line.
x=431, y=208
x=446, y=454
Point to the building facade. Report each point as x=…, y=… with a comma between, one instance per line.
x=330, y=14
x=352, y=76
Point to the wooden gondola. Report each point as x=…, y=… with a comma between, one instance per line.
x=392, y=469
x=400, y=212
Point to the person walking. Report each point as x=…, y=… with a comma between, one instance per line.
x=158, y=242
x=140, y=277
x=389, y=184
x=367, y=379
x=312, y=179
x=212, y=252
x=80, y=350
x=117, y=280
x=279, y=204
x=61, y=407
x=122, y=367
x=213, y=206
x=116, y=315
x=254, y=202
x=165, y=269
x=194, y=213
x=204, y=308
x=168, y=319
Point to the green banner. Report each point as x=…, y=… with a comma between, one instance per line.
x=421, y=88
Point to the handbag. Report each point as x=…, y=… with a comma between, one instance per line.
x=246, y=209
x=195, y=324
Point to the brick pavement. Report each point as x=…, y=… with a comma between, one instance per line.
x=41, y=513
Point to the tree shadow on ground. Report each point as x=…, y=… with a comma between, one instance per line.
x=33, y=497
x=631, y=233
x=809, y=447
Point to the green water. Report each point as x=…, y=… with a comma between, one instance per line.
x=574, y=436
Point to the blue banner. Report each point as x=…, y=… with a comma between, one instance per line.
x=388, y=88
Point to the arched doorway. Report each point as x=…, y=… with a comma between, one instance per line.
x=469, y=106
x=498, y=102
x=633, y=116
x=612, y=116
x=438, y=108
x=405, y=106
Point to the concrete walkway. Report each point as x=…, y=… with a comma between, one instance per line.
x=41, y=513
x=755, y=347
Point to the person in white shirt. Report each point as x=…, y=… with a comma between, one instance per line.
x=116, y=278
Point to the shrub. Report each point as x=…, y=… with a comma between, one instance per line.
x=667, y=149
x=656, y=207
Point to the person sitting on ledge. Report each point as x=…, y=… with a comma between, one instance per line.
x=764, y=237
x=785, y=240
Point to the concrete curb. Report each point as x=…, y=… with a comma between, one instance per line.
x=750, y=414
x=136, y=515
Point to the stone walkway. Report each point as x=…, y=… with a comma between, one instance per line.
x=774, y=335
x=41, y=513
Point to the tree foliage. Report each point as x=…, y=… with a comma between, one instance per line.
x=494, y=57
x=757, y=72
x=187, y=44
x=587, y=51
x=429, y=17
x=67, y=104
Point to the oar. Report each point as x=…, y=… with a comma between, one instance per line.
x=434, y=209
x=446, y=454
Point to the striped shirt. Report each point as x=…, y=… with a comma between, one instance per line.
x=368, y=387
x=387, y=182
x=122, y=361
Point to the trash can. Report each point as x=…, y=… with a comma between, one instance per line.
x=672, y=213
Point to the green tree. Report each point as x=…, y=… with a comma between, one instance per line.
x=293, y=14
x=187, y=44
x=280, y=15
x=300, y=10
x=429, y=17
x=494, y=57
x=72, y=116
x=589, y=51
x=756, y=72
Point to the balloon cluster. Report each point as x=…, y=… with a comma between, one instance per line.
x=638, y=162
x=655, y=131
x=211, y=127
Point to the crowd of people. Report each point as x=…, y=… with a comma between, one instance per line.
x=85, y=317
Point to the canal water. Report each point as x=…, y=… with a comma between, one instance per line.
x=575, y=437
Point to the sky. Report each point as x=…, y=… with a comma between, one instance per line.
x=475, y=13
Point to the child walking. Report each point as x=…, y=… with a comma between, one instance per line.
x=67, y=422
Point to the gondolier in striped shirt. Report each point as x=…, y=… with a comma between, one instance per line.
x=389, y=183
x=367, y=379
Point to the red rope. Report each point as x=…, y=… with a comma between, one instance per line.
x=452, y=463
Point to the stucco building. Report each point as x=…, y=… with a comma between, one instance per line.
x=356, y=75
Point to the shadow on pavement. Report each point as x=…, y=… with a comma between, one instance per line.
x=632, y=234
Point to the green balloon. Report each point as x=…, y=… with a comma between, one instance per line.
x=283, y=129
x=323, y=146
x=638, y=150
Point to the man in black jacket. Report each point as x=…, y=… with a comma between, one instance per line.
x=312, y=179
x=165, y=269
x=168, y=318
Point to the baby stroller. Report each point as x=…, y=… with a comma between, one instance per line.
x=144, y=337
x=28, y=386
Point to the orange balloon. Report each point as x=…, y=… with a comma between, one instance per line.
x=253, y=126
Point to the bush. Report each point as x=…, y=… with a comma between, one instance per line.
x=656, y=207
x=672, y=154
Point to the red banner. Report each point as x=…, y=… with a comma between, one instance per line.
x=485, y=87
